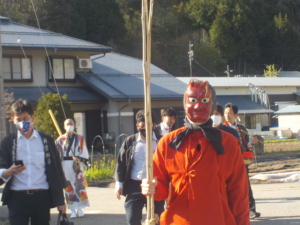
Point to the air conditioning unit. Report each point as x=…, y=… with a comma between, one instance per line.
x=85, y=64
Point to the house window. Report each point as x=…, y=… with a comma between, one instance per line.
x=17, y=69
x=63, y=69
x=250, y=121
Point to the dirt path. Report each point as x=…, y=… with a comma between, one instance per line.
x=275, y=166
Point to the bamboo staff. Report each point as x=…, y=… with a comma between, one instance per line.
x=146, y=30
x=55, y=122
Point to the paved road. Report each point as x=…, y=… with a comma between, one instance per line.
x=279, y=204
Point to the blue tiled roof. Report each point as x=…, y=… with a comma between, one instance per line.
x=120, y=77
x=33, y=38
x=289, y=74
x=122, y=87
x=289, y=109
x=75, y=94
x=114, y=63
x=245, y=105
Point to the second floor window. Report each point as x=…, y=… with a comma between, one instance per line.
x=16, y=69
x=63, y=69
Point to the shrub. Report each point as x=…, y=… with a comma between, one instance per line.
x=280, y=141
x=100, y=170
x=43, y=121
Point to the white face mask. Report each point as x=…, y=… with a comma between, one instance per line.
x=166, y=126
x=216, y=120
x=70, y=129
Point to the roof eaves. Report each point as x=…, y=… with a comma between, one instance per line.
x=152, y=99
x=46, y=32
x=62, y=48
x=287, y=112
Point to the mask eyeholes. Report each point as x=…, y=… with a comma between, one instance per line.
x=205, y=100
x=193, y=100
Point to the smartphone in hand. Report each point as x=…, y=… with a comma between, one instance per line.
x=19, y=162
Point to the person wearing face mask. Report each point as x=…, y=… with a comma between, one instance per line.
x=74, y=155
x=204, y=165
x=30, y=166
x=217, y=117
x=168, y=120
x=231, y=114
x=131, y=169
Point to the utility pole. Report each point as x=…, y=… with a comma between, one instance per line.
x=191, y=55
x=2, y=111
x=228, y=71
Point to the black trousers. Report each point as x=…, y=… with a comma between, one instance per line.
x=36, y=206
x=135, y=202
x=251, y=198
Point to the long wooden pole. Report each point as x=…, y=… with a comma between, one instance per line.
x=252, y=136
x=55, y=122
x=146, y=30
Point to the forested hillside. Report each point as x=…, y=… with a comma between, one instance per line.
x=246, y=34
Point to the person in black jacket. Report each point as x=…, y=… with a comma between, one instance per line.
x=131, y=169
x=168, y=117
x=31, y=167
x=230, y=114
x=217, y=118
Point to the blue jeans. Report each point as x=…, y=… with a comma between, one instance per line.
x=135, y=202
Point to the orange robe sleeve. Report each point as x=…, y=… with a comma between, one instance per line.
x=161, y=173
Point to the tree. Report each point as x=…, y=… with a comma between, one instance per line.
x=288, y=42
x=203, y=12
x=271, y=71
x=98, y=21
x=43, y=121
x=8, y=100
x=221, y=33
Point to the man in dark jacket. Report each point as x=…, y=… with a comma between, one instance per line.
x=31, y=167
x=231, y=113
x=217, y=118
x=168, y=117
x=131, y=169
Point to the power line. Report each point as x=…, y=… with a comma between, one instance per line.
x=50, y=66
x=204, y=68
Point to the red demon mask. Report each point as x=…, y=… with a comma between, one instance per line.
x=198, y=101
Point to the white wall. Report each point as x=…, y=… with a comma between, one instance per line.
x=291, y=121
x=39, y=60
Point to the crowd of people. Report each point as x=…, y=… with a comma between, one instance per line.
x=199, y=171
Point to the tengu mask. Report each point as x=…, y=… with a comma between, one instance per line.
x=199, y=101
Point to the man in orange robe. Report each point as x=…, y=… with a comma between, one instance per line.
x=205, y=168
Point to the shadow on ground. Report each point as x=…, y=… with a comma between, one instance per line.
x=276, y=221
x=92, y=219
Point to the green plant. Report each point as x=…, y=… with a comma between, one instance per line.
x=43, y=121
x=280, y=141
x=285, y=152
x=100, y=170
x=271, y=71
x=4, y=221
